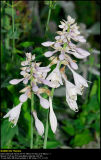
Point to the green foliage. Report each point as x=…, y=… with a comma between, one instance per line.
x=83, y=138
x=26, y=44
x=7, y=134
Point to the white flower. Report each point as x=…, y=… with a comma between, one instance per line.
x=16, y=81
x=23, y=73
x=52, y=117
x=79, y=80
x=72, y=63
x=82, y=52
x=44, y=102
x=47, y=44
x=71, y=94
x=13, y=114
x=23, y=98
x=29, y=56
x=49, y=53
x=70, y=20
x=34, y=87
x=24, y=63
x=55, y=76
x=72, y=90
x=38, y=124
x=72, y=103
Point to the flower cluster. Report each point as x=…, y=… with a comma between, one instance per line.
x=64, y=46
x=33, y=76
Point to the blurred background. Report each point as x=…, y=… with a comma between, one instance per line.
x=23, y=25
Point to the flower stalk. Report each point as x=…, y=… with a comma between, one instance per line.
x=47, y=119
x=49, y=13
x=46, y=130
x=32, y=108
x=13, y=42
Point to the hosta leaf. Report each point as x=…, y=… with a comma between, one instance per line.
x=82, y=138
x=7, y=133
x=53, y=144
x=9, y=11
x=26, y=44
x=69, y=129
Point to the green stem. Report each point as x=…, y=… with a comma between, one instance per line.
x=49, y=13
x=32, y=108
x=52, y=92
x=13, y=32
x=46, y=130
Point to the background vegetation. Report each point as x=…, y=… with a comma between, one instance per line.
x=23, y=30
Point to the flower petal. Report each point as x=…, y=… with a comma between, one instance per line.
x=47, y=44
x=23, y=98
x=44, y=102
x=78, y=55
x=52, y=117
x=82, y=52
x=38, y=124
x=72, y=104
x=13, y=114
x=49, y=53
x=79, y=80
x=16, y=81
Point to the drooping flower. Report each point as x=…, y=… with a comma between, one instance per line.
x=13, y=114
x=38, y=124
x=80, y=82
x=44, y=102
x=71, y=93
x=55, y=76
x=52, y=117
x=16, y=81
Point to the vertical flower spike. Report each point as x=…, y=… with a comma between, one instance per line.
x=13, y=114
x=52, y=117
x=38, y=124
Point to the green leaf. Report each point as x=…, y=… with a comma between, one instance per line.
x=91, y=117
x=93, y=104
x=99, y=89
x=79, y=125
x=6, y=22
x=82, y=138
x=26, y=44
x=7, y=133
x=69, y=129
x=53, y=144
x=96, y=126
x=94, y=89
x=9, y=11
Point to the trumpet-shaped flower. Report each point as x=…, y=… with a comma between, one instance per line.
x=38, y=124
x=72, y=103
x=55, y=76
x=13, y=114
x=44, y=102
x=79, y=80
x=16, y=81
x=52, y=117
